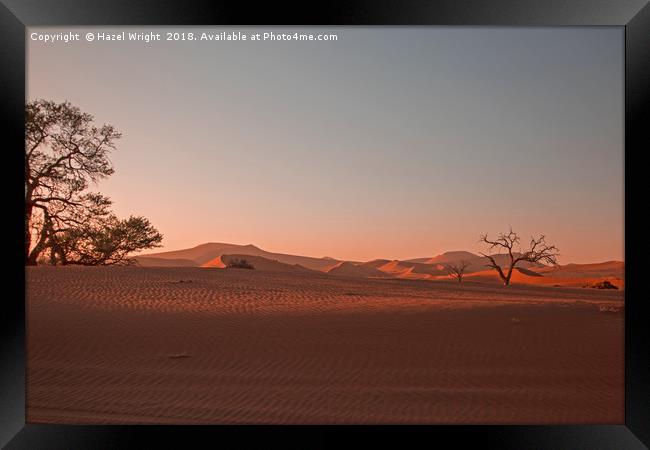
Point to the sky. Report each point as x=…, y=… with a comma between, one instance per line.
x=390, y=142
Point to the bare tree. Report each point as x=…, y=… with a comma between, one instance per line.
x=457, y=270
x=538, y=252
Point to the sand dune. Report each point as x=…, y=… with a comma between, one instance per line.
x=264, y=264
x=434, y=268
x=376, y=263
x=605, y=269
x=586, y=274
x=529, y=272
x=411, y=270
x=395, y=267
x=477, y=263
x=570, y=275
x=348, y=269
x=447, y=257
x=200, y=346
x=215, y=263
x=204, y=254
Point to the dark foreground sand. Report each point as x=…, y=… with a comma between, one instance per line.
x=136, y=345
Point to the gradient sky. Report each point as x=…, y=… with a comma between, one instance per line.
x=392, y=142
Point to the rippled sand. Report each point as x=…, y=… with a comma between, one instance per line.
x=195, y=345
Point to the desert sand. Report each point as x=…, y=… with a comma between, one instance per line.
x=228, y=346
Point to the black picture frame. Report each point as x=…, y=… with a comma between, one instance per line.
x=633, y=15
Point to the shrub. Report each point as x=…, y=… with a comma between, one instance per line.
x=239, y=264
x=603, y=285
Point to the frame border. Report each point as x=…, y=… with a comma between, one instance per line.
x=634, y=15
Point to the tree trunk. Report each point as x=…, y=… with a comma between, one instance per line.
x=506, y=279
x=28, y=234
x=32, y=259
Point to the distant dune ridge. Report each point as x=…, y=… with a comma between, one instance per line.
x=204, y=255
x=259, y=263
x=447, y=257
x=346, y=268
x=216, y=255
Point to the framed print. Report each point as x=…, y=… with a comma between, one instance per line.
x=360, y=222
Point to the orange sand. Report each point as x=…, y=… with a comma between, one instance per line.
x=197, y=345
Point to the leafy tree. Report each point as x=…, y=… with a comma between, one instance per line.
x=64, y=154
x=105, y=242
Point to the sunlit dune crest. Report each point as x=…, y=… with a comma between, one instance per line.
x=216, y=263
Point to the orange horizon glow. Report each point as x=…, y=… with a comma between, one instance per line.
x=392, y=260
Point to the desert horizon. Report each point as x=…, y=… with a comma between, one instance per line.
x=216, y=255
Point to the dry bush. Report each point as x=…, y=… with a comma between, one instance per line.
x=236, y=263
x=602, y=285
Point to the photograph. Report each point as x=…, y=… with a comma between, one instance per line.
x=324, y=225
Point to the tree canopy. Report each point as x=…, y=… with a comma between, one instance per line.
x=66, y=154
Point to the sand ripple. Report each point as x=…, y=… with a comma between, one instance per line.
x=137, y=345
